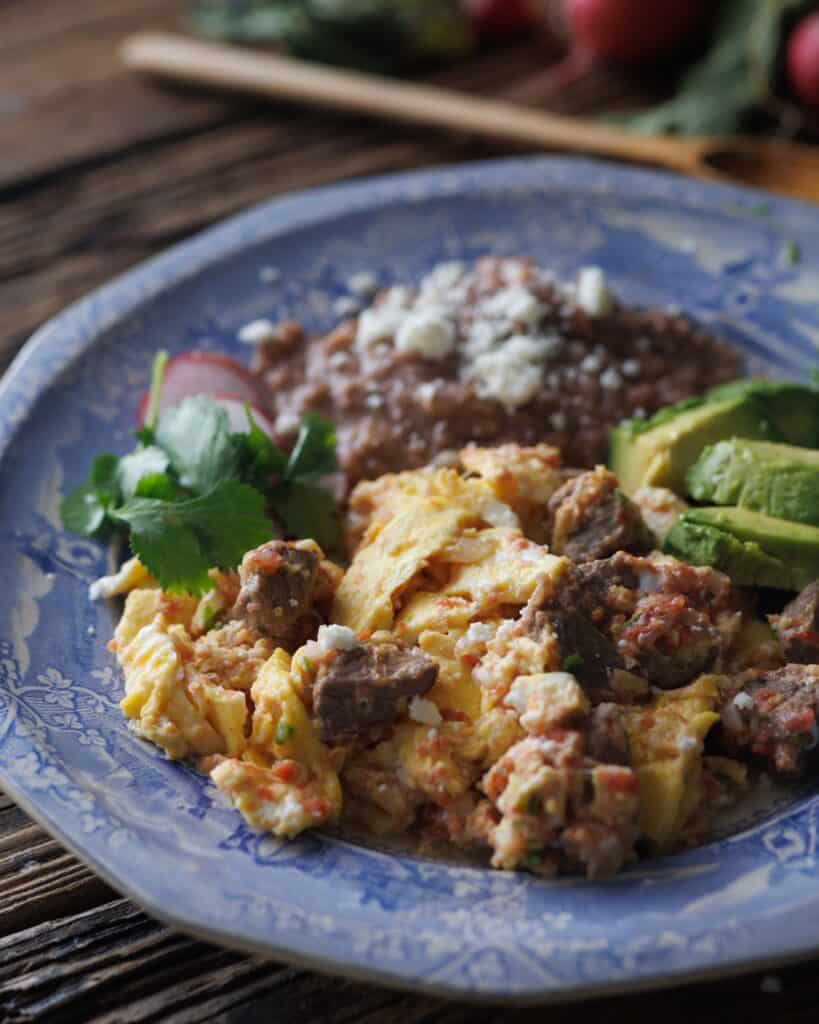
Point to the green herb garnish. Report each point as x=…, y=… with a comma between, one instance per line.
x=791, y=253
x=573, y=663
x=194, y=496
x=735, y=80
x=284, y=730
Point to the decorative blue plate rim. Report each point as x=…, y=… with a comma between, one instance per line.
x=156, y=830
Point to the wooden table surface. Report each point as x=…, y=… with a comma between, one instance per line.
x=98, y=171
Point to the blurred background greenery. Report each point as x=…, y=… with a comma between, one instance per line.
x=727, y=66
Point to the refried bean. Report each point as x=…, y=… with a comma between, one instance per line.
x=499, y=352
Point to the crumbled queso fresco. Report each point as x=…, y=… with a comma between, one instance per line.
x=507, y=347
x=492, y=352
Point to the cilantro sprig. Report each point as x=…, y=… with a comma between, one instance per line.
x=194, y=495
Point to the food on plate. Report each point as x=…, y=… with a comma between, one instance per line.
x=527, y=655
x=780, y=480
x=754, y=549
x=797, y=626
x=659, y=451
x=561, y=710
x=497, y=352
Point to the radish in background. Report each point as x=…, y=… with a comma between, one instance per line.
x=629, y=31
x=802, y=60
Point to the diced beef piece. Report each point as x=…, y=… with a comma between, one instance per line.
x=569, y=610
x=590, y=518
x=656, y=617
x=668, y=640
x=606, y=736
x=587, y=653
x=276, y=593
x=773, y=713
x=601, y=589
x=560, y=809
x=797, y=627
x=366, y=687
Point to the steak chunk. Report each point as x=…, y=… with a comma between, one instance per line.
x=590, y=518
x=797, y=627
x=653, y=616
x=773, y=713
x=588, y=654
x=670, y=640
x=368, y=686
x=276, y=593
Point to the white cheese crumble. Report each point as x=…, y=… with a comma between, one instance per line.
x=479, y=633
x=378, y=323
x=346, y=305
x=424, y=712
x=257, y=332
x=592, y=294
x=592, y=363
x=516, y=304
x=687, y=743
x=364, y=283
x=610, y=379
x=630, y=368
x=743, y=701
x=523, y=688
x=511, y=383
x=428, y=332
x=513, y=372
x=336, y=638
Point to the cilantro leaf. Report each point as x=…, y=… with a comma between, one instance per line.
x=307, y=510
x=157, y=485
x=140, y=463
x=314, y=453
x=85, y=509
x=196, y=437
x=259, y=459
x=179, y=541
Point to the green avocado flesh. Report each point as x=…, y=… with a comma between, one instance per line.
x=777, y=479
x=752, y=548
x=658, y=452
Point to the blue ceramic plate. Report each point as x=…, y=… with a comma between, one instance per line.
x=744, y=264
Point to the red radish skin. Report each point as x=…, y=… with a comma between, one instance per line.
x=617, y=30
x=205, y=373
x=502, y=18
x=631, y=30
x=803, y=60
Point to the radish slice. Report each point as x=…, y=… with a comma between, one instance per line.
x=205, y=373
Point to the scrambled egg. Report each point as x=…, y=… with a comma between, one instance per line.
x=444, y=561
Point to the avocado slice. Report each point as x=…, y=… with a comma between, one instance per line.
x=658, y=452
x=780, y=480
x=752, y=548
x=792, y=409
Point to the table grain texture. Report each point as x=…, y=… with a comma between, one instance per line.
x=98, y=171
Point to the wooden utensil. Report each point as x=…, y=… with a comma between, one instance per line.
x=785, y=167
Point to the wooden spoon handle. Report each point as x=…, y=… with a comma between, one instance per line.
x=215, y=65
